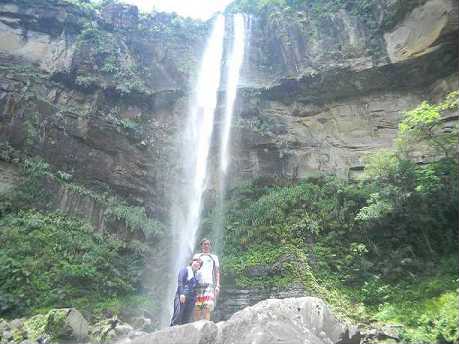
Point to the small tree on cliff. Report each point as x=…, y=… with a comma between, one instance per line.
x=428, y=124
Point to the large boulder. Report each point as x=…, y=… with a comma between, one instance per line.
x=234, y=299
x=422, y=30
x=305, y=320
x=200, y=332
x=111, y=330
x=57, y=325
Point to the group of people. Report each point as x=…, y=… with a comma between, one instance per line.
x=198, y=286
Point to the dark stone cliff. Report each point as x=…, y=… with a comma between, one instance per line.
x=103, y=94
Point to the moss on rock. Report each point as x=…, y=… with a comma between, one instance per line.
x=103, y=331
x=36, y=326
x=57, y=324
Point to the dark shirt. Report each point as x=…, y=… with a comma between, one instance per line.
x=186, y=286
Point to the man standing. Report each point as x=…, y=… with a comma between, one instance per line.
x=209, y=282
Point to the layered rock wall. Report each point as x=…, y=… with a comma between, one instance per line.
x=101, y=95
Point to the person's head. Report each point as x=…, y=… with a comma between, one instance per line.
x=206, y=246
x=196, y=264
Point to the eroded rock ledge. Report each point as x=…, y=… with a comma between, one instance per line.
x=317, y=92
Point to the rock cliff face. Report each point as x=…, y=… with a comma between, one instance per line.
x=102, y=94
x=334, y=86
x=76, y=91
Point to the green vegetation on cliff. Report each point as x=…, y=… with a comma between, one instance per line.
x=381, y=248
x=363, y=8
x=51, y=259
x=320, y=7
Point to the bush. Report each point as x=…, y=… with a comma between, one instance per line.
x=56, y=261
x=427, y=310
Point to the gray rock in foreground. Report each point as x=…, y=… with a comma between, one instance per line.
x=200, y=332
x=305, y=320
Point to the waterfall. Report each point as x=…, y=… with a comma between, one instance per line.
x=195, y=145
x=199, y=133
x=234, y=65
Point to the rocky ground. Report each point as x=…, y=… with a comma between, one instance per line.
x=304, y=320
x=67, y=325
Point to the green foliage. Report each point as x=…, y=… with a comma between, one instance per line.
x=107, y=51
x=359, y=246
x=50, y=260
x=64, y=176
x=381, y=165
x=127, y=304
x=293, y=213
x=50, y=326
x=254, y=7
x=128, y=124
x=378, y=207
x=36, y=326
x=410, y=201
x=36, y=172
x=427, y=309
x=36, y=167
x=172, y=26
x=379, y=246
x=317, y=7
x=134, y=219
x=86, y=5
x=8, y=153
x=237, y=266
x=262, y=125
x=32, y=192
x=31, y=128
x=104, y=45
x=424, y=124
x=86, y=81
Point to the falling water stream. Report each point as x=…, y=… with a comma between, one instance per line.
x=195, y=144
x=234, y=67
x=234, y=63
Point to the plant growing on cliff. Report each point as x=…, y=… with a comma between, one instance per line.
x=86, y=5
x=8, y=153
x=108, y=54
x=86, y=82
x=57, y=261
x=402, y=189
x=30, y=190
x=426, y=124
x=318, y=7
x=385, y=243
x=133, y=218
